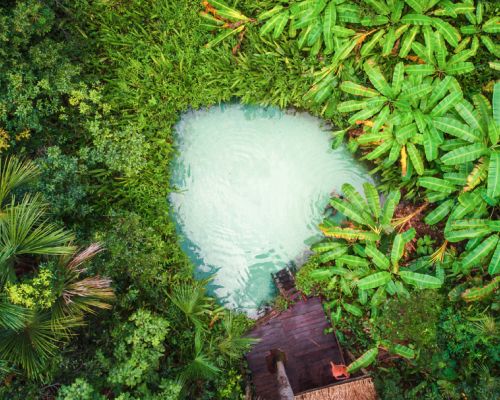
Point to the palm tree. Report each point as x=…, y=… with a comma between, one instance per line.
x=36, y=341
x=24, y=228
x=200, y=367
x=15, y=173
x=232, y=345
x=191, y=299
x=30, y=336
x=81, y=295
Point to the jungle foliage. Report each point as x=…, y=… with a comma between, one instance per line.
x=91, y=90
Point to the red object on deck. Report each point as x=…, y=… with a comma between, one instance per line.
x=339, y=371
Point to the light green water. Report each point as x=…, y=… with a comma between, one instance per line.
x=252, y=185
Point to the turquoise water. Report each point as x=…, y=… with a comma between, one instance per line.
x=251, y=185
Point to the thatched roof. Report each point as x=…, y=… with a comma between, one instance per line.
x=359, y=389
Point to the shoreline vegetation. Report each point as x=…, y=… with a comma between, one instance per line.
x=90, y=91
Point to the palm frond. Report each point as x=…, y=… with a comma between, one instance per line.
x=14, y=173
x=38, y=340
x=200, y=367
x=233, y=345
x=192, y=301
x=24, y=230
x=82, y=295
x=12, y=316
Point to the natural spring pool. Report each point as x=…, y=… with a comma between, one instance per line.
x=251, y=185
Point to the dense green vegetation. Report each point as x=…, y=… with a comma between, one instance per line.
x=90, y=92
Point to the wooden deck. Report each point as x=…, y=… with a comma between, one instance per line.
x=298, y=332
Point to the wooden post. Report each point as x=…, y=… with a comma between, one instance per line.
x=276, y=365
x=284, y=388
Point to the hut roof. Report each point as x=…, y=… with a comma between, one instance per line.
x=357, y=389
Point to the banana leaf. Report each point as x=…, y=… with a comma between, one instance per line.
x=421, y=281
x=374, y=280
x=364, y=361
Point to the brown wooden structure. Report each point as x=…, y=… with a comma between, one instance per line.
x=299, y=332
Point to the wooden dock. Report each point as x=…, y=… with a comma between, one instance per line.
x=299, y=333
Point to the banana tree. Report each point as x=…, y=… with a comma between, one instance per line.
x=436, y=58
x=365, y=258
x=472, y=172
x=316, y=24
x=467, y=220
x=397, y=117
x=480, y=29
x=370, y=356
x=399, y=23
x=228, y=21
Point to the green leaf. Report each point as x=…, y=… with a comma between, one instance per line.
x=379, y=6
x=493, y=188
x=351, y=105
x=450, y=33
x=321, y=273
x=353, y=261
x=370, y=45
x=496, y=103
x=475, y=256
x=440, y=212
x=397, y=250
x=354, y=197
x=280, y=24
x=372, y=198
x=224, y=35
x=269, y=26
x=390, y=39
x=377, y=78
x=348, y=234
x=268, y=14
x=436, y=184
x=417, y=5
x=421, y=281
x=459, y=68
x=417, y=91
x=332, y=254
x=378, y=258
x=492, y=25
x=323, y=246
x=329, y=21
x=480, y=293
x=357, y=90
x=416, y=158
x=364, y=361
x=408, y=39
x=494, y=266
x=466, y=111
x=352, y=309
x=446, y=104
x=389, y=207
x=341, y=32
x=420, y=69
x=348, y=210
x=431, y=145
x=457, y=129
x=374, y=280
x=402, y=351
x=464, y=154
x=379, y=150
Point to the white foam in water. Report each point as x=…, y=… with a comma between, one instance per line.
x=252, y=187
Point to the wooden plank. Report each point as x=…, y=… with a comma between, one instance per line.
x=297, y=331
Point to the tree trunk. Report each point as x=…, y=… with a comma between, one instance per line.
x=284, y=388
